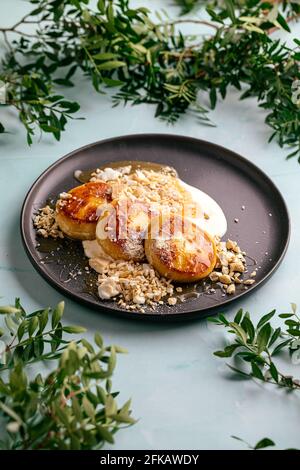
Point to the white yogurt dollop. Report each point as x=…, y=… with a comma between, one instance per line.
x=215, y=224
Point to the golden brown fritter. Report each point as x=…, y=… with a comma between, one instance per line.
x=77, y=210
x=179, y=250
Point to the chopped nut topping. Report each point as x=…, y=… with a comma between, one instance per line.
x=134, y=283
x=230, y=289
x=231, y=264
x=214, y=276
x=231, y=245
x=45, y=223
x=225, y=279
x=238, y=266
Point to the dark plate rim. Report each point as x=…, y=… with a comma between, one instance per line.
x=154, y=316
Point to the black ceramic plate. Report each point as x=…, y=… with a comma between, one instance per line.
x=243, y=191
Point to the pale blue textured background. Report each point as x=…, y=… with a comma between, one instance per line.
x=182, y=394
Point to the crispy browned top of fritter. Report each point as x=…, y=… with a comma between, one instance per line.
x=183, y=247
x=84, y=200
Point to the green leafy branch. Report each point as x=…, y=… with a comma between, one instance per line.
x=254, y=349
x=120, y=47
x=256, y=346
x=73, y=407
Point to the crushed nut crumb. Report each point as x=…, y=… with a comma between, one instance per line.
x=172, y=301
x=45, y=223
x=230, y=289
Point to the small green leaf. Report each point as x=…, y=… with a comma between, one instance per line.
x=263, y=337
x=87, y=345
x=256, y=372
x=11, y=325
x=38, y=347
x=74, y=329
x=43, y=319
x=126, y=407
x=112, y=360
x=275, y=336
x=213, y=98
x=274, y=371
x=230, y=9
x=214, y=320
x=105, y=434
x=266, y=318
x=292, y=323
x=110, y=82
x=110, y=406
x=8, y=310
x=223, y=319
x=281, y=346
x=33, y=325
x=266, y=442
x=120, y=350
x=111, y=64
x=104, y=56
x=240, y=332
x=238, y=316
x=228, y=351
x=281, y=20
x=58, y=313
x=110, y=15
x=22, y=329
x=123, y=418
x=247, y=325
x=98, y=340
x=101, y=6
x=293, y=332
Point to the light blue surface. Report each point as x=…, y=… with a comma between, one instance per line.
x=183, y=396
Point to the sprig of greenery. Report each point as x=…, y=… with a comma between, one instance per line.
x=73, y=407
x=254, y=348
x=153, y=62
